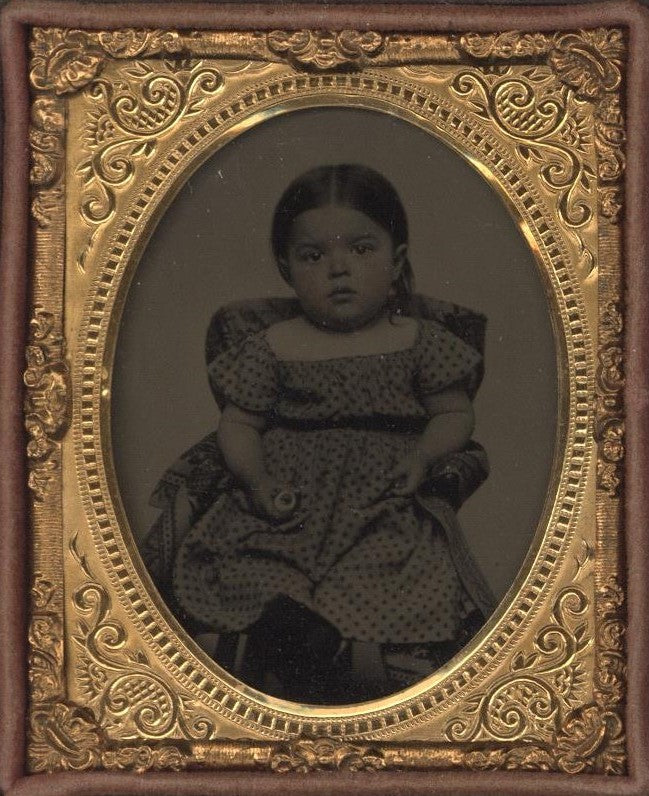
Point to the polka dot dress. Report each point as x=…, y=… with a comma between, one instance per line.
x=374, y=565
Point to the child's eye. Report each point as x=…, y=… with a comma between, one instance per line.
x=310, y=256
x=362, y=248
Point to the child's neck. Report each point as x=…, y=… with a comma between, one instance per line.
x=301, y=339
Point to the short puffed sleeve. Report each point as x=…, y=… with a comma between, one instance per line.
x=444, y=360
x=246, y=376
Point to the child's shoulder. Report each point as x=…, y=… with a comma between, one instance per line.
x=284, y=331
x=285, y=338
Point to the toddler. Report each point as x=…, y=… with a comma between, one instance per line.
x=316, y=551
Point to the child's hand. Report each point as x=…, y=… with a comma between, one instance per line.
x=273, y=500
x=407, y=474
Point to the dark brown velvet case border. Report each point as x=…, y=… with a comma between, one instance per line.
x=16, y=19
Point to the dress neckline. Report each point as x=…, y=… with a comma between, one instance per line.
x=379, y=355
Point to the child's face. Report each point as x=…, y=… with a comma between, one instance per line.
x=341, y=265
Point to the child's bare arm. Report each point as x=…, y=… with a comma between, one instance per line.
x=239, y=438
x=449, y=429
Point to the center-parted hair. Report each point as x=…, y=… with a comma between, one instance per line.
x=348, y=185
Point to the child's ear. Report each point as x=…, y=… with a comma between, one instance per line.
x=282, y=264
x=399, y=260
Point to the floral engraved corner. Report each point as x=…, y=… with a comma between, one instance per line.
x=544, y=683
x=129, y=116
x=589, y=61
x=46, y=402
x=588, y=64
x=62, y=735
x=127, y=695
x=325, y=49
x=538, y=702
x=124, y=699
x=549, y=134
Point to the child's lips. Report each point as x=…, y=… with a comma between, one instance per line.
x=342, y=294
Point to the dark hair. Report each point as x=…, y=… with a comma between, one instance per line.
x=350, y=185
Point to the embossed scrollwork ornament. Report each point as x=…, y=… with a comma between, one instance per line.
x=65, y=60
x=591, y=738
x=64, y=736
x=46, y=401
x=528, y=702
x=144, y=758
x=324, y=754
x=588, y=64
x=510, y=44
x=128, y=697
x=132, y=113
x=45, y=643
x=609, y=431
x=526, y=110
x=46, y=149
x=324, y=49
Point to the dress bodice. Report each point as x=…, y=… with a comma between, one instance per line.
x=389, y=385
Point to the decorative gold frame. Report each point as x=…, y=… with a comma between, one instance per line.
x=119, y=120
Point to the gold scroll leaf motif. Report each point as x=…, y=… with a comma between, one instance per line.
x=131, y=114
x=325, y=49
x=528, y=702
x=536, y=702
x=529, y=110
x=46, y=401
x=65, y=736
x=609, y=431
x=610, y=675
x=66, y=60
x=128, y=697
x=588, y=64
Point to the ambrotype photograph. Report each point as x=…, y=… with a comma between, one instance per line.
x=334, y=362
x=330, y=355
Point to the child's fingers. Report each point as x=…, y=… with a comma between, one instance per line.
x=406, y=486
x=400, y=470
x=408, y=476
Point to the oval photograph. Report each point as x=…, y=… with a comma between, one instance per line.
x=334, y=409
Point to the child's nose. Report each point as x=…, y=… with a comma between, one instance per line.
x=338, y=263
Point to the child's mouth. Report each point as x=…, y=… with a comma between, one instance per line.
x=342, y=294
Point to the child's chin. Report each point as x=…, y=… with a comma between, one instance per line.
x=343, y=318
